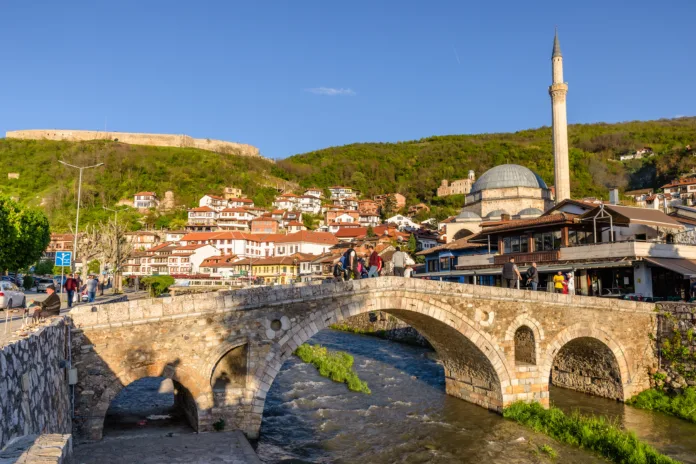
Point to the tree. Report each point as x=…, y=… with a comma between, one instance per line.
x=388, y=207
x=33, y=236
x=43, y=268
x=93, y=267
x=115, y=248
x=24, y=235
x=370, y=232
x=89, y=245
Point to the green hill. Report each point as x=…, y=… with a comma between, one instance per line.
x=416, y=168
x=413, y=168
x=127, y=169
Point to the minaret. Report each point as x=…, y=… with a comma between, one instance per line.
x=558, y=91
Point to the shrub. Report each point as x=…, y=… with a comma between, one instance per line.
x=590, y=432
x=219, y=426
x=158, y=284
x=682, y=405
x=336, y=366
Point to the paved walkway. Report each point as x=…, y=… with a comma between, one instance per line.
x=192, y=448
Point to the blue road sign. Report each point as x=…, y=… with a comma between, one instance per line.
x=63, y=258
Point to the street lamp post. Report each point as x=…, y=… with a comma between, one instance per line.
x=79, y=193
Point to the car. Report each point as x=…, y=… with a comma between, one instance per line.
x=11, y=296
x=43, y=283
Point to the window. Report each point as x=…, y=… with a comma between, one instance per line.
x=432, y=265
x=516, y=244
x=547, y=241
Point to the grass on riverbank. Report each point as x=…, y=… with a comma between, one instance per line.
x=349, y=329
x=337, y=365
x=593, y=433
x=682, y=406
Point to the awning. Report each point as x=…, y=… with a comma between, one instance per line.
x=446, y=254
x=686, y=267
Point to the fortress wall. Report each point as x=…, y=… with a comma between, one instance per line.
x=157, y=140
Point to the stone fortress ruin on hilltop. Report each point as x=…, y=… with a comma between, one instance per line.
x=135, y=138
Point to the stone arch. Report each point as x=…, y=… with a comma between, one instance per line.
x=185, y=378
x=450, y=332
x=525, y=346
x=537, y=332
x=462, y=233
x=582, y=343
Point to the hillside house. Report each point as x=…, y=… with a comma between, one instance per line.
x=145, y=200
x=215, y=202
x=202, y=219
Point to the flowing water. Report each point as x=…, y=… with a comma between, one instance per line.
x=408, y=418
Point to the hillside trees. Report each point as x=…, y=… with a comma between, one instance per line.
x=24, y=235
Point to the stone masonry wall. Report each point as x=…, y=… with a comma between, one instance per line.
x=383, y=325
x=157, y=140
x=471, y=327
x=33, y=387
x=676, y=346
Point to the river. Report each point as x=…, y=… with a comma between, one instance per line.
x=409, y=418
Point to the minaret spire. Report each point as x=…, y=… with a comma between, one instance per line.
x=558, y=91
x=556, y=45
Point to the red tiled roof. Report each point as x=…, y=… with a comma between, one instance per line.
x=190, y=247
x=676, y=183
x=152, y=194
x=295, y=223
x=217, y=197
x=202, y=209
x=541, y=220
x=234, y=210
x=309, y=237
x=243, y=200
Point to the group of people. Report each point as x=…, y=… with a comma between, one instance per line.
x=512, y=278
x=74, y=284
x=351, y=266
x=51, y=305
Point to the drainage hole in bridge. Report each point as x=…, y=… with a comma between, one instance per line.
x=276, y=324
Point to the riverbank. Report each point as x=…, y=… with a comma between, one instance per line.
x=594, y=433
x=681, y=405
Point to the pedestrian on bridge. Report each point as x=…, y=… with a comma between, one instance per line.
x=511, y=275
x=48, y=307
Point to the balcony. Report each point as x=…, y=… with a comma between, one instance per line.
x=533, y=257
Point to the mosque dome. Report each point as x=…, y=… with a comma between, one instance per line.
x=530, y=212
x=508, y=175
x=467, y=216
x=496, y=213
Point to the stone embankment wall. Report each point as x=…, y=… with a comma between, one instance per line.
x=383, y=325
x=676, y=343
x=39, y=449
x=33, y=386
x=157, y=140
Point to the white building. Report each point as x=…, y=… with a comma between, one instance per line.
x=339, y=192
x=309, y=204
x=145, y=200
x=203, y=216
x=240, y=203
x=242, y=244
x=286, y=202
x=370, y=220
x=186, y=260
x=215, y=202
x=402, y=222
x=234, y=219
x=313, y=243
x=315, y=192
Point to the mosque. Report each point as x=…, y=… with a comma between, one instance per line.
x=511, y=191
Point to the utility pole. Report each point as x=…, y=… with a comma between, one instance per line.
x=79, y=193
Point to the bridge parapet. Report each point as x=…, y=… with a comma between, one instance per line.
x=193, y=305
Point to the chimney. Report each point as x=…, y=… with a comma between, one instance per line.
x=614, y=196
x=504, y=217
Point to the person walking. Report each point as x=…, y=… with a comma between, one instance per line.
x=399, y=261
x=91, y=287
x=374, y=263
x=558, y=282
x=511, y=275
x=70, y=286
x=533, y=276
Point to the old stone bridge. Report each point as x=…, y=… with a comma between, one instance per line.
x=224, y=349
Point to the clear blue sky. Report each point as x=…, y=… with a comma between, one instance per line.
x=261, y=72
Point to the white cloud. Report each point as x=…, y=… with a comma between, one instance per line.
x=331, y=92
